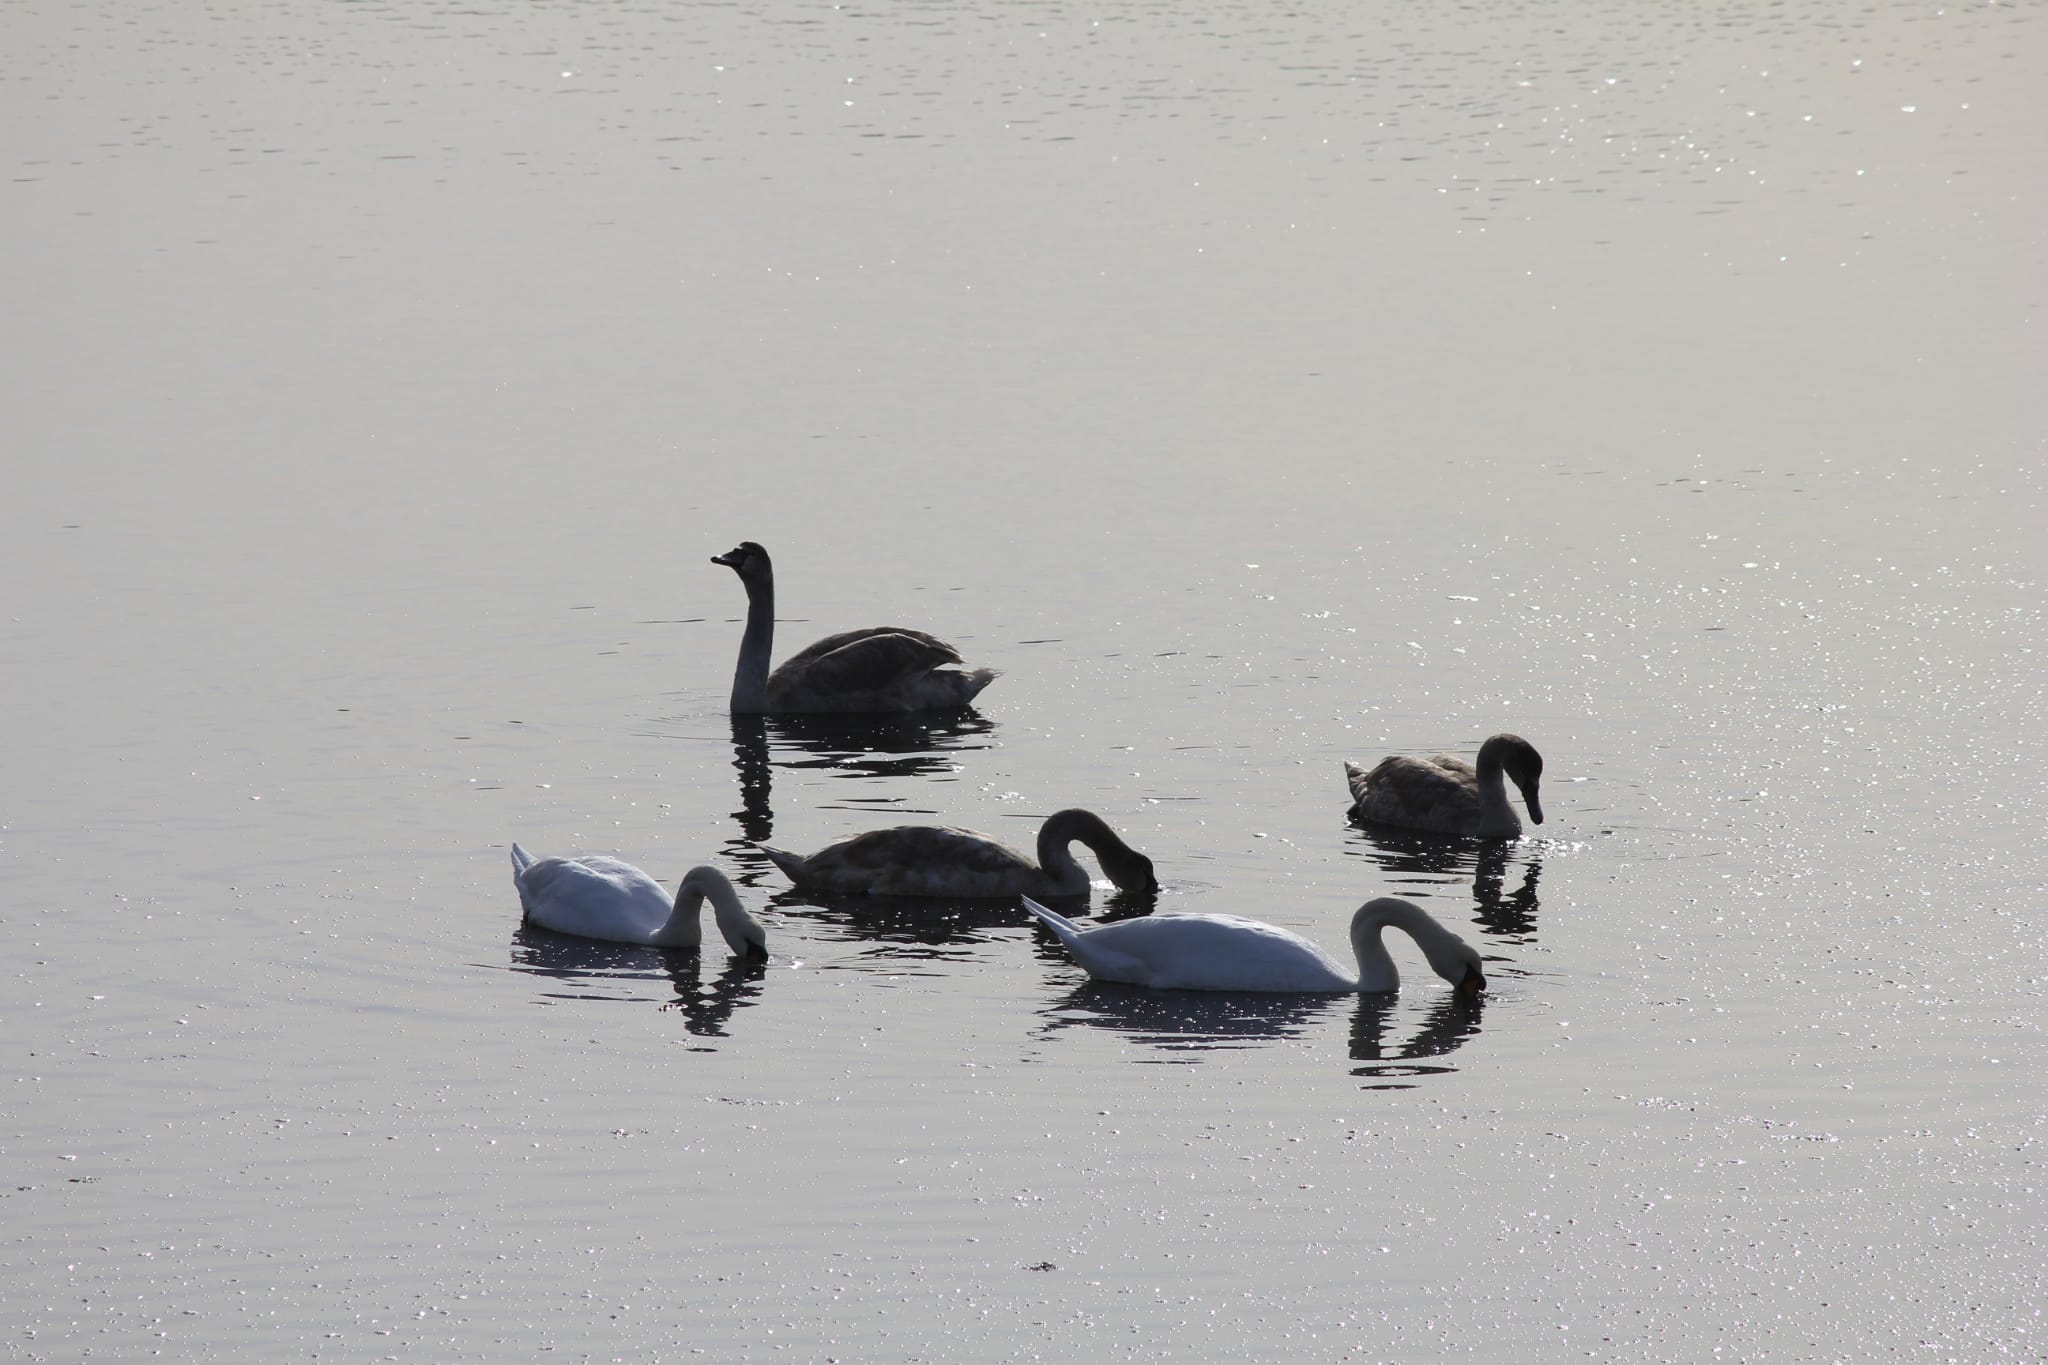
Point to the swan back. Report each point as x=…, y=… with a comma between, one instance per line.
x=1232, y=953
x=1199, y=953
x=939, y=860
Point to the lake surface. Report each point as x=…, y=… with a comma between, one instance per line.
x=1256, y=389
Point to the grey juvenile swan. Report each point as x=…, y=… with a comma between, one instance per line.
x=880, y=669
x=600, y=897
x=931, y=860
x=1232, y=953
x=1445, y=795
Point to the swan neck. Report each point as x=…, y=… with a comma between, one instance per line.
x=741, y=931
x=684, y=928
x=1376, y=970
x=1496, y=816
x=1055, y=839
x=750, y=678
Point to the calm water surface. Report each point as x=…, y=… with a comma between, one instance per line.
x=1257, y=390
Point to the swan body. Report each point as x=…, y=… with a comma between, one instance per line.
x=1444, y=795
x=1232, y=953
x=932, y=860
x=880, y=669
x=600, y=897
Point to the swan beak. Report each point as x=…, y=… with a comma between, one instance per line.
x=1534, y=803
x=1473, y=983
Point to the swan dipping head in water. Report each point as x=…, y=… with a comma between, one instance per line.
x=1232, y=953
x=935, y=860
x=601, y=897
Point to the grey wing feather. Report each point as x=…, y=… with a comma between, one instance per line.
x=863, y=661
x=817, y=649
x=1428, y=793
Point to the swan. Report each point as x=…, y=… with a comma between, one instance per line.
x=882, y=668
x=600, y=897
x=1448, y=796
x=1232, y=953
x=930, y=860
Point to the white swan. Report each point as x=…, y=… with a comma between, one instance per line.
x=1232, y=953
x=882, y=668
x=1445, y=795
x=930, y=860
x=600, y=897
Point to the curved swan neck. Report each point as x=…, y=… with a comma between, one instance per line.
x=1496, y=816
x=1057, y=834
x=1124, y=865
x=750, y=678
x=1376, y=970
x=1507, y=756
x=742, y=932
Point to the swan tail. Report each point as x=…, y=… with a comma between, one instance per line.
x=975, y=680
x=1063, y=929
x=792, y=865
x=521, y=860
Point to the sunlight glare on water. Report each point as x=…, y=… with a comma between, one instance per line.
x=1255, y=391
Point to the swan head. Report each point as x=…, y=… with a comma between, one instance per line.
x=1449, y=956
x=748, y=560
x=1455, y=960
x=1470, y=982
x=1129, y=869
x=1524, y=767
x=743, y=934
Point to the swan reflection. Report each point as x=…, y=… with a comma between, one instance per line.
x=1189, y=1021
x=582, y=969
x=1392, y=1060
x=906, y=929
x=847, y=746
x=1420, y=860
x=1394, y=1036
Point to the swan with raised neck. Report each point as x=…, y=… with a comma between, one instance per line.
x=1445, y=795
x=878, y=669
x=1232, y=953
x=601, y=897
x=938, y=860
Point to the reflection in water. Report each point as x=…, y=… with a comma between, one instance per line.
x=1206, y=1021
x=1432, y=860
x=1452, y=1018
x=916, y=927
x=850, y=746
x=1511, y=914
x=923, y=929
x=1188, y=1021
x=750, y=755
x=583, y=966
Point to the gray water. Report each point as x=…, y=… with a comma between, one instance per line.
x=1256, y=388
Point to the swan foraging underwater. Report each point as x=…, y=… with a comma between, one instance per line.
x=1232, y=953
x=932, y=860
x=1445, y=795
x=601, y=897
x=879, y=669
